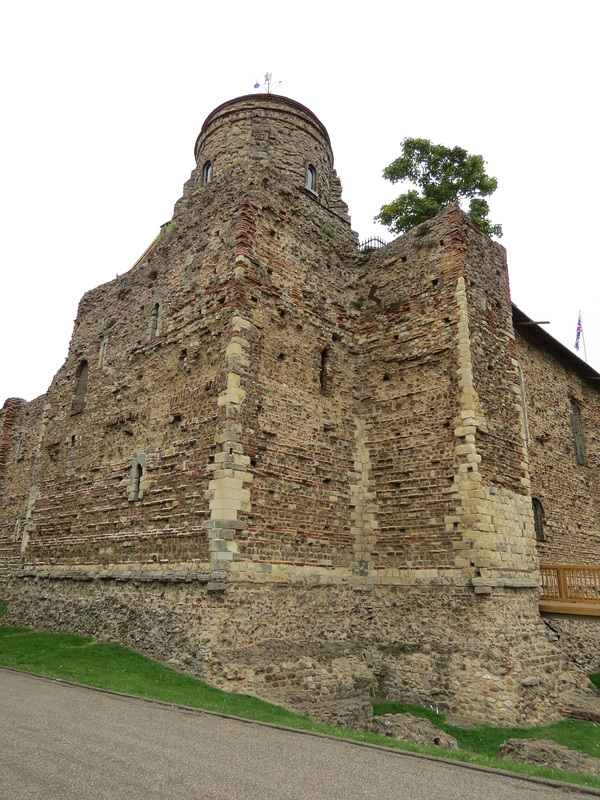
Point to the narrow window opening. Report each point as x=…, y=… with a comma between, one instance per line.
x=207, y=172
x=81, y=382
x=386, y=378
x=154, y=321
x=578, y=435
x=102, y=354
x=324, y=377
x=311, y=178
x=20, y=448
x=538, y=519
x=137, y=480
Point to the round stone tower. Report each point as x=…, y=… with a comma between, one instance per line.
x=273, y=129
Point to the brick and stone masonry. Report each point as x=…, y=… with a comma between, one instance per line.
x=300, y=470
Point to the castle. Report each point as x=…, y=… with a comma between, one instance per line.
x=302, y=469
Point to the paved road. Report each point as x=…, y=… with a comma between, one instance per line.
x=61, y=742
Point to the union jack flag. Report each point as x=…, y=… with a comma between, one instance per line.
x=578, y=336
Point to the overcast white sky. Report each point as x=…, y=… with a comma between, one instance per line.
x=102, y=104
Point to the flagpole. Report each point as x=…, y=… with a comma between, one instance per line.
x=583, y=339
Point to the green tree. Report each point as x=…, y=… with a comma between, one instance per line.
x=443, y=175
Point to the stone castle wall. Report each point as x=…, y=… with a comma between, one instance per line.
x=488, y=660
x=568, y=491
x=299, y=470
x=19, y=440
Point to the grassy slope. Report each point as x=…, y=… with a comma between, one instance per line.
x=112, y=666
x=484, y=739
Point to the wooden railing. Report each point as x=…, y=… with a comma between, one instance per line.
x=569, y=583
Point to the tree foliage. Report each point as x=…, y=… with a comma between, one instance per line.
x=443, y=175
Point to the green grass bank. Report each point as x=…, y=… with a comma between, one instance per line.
x=111, y=666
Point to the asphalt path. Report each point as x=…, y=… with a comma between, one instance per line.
x=64, y=742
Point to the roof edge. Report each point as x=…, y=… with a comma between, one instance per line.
x=531, y=328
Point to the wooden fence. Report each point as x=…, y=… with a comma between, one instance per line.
x=570, y=583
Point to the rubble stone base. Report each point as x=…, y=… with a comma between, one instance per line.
x=478, y=659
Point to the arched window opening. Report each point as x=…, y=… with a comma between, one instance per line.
x=207, y=172
x=578, y=435
x=324, y=370
x=311, y=178
x=538, y=519
x=137, y=473
x=154, y=321
x=81, y=382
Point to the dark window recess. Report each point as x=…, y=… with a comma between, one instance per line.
x=81, y=382
x=137, y=479
x=578, y=435
x=311, y=178
x=538, y=519
x=154, y=321
x=324, y=370
x=207, y=172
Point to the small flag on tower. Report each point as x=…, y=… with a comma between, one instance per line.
x=578, y=336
